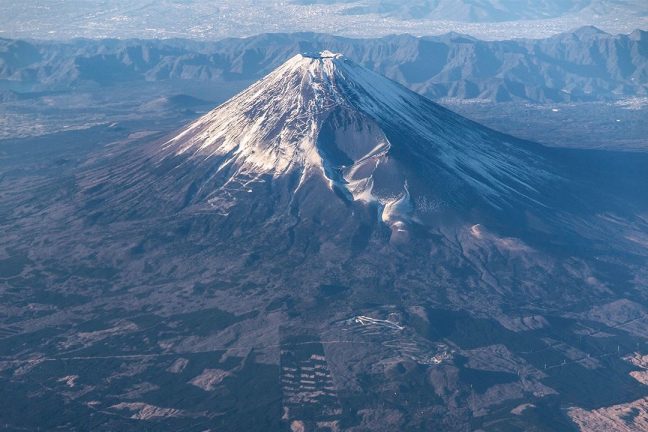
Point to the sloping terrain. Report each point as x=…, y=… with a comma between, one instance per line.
x=327, y=250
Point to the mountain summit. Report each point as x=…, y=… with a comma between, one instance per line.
x=323, y=118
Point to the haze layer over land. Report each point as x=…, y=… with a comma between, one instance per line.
x=201, y=19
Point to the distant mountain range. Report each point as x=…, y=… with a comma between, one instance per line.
x=480, y=10
x=584, y=65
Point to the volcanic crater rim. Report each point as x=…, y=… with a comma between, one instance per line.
x=326, y=54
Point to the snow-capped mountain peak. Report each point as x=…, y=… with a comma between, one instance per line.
x=272, y=126
x=322, y=116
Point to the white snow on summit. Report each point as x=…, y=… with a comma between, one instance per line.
x=320, y=114
x=270, y=127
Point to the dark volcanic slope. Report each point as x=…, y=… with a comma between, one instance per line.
x=326, y=250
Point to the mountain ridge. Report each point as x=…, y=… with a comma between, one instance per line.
x=479, y=11
x=454, y=66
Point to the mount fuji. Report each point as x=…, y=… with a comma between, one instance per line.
x=328, y=250
x=322, y=148
x=322, y=121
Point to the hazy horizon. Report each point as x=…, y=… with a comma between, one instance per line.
x=203, y=20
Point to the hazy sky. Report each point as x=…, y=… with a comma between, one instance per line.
x=204, y=19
